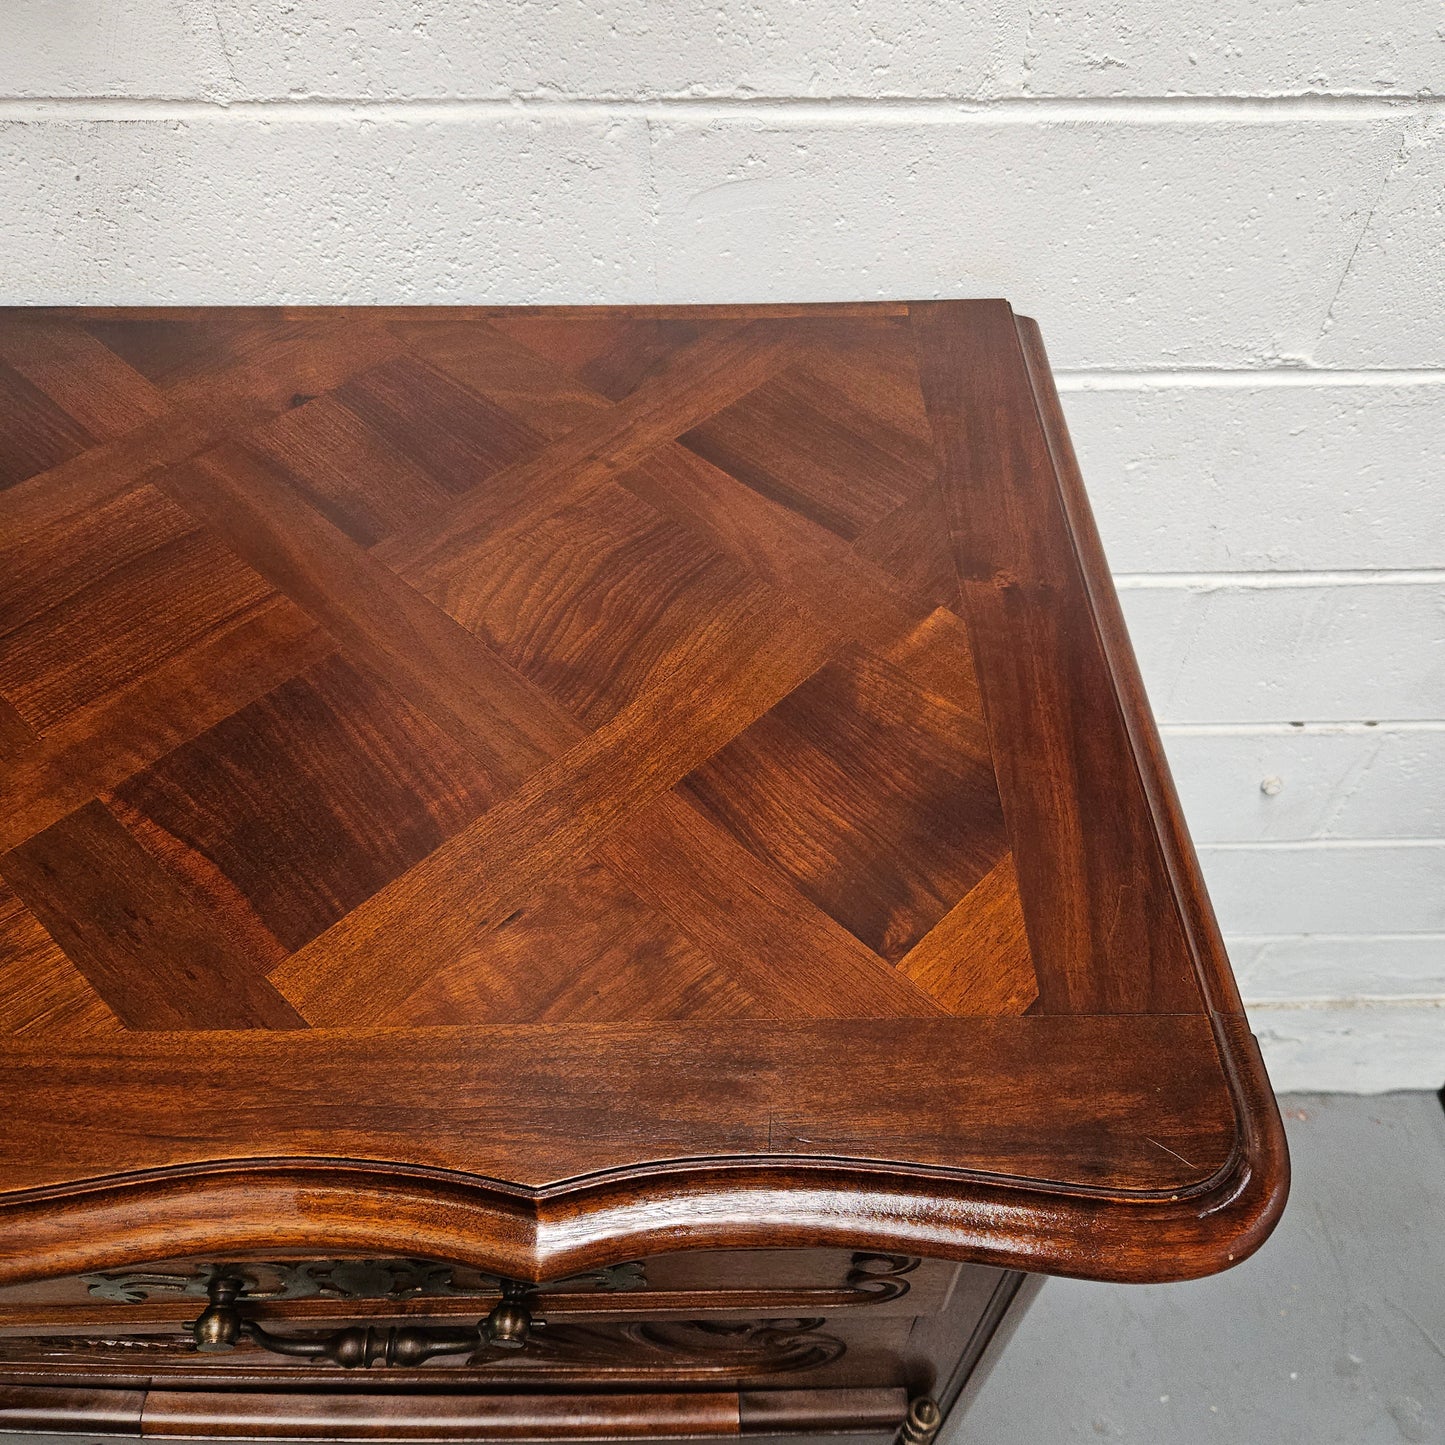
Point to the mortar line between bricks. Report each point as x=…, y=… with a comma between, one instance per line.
x=1227, y=378
x=1373, y=728
x=1340, y=1003
x=1282, y=580
x=1331, y=937
x=1326, y=845
x=841, y=110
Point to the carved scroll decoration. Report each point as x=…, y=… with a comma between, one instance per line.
x=342, y=1279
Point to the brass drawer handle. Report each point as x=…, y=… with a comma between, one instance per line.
x=222, y=1326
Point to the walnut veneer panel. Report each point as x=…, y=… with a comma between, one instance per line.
x=564, y=781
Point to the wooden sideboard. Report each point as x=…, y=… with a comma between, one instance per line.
x=577, y=874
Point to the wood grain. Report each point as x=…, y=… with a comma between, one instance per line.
x=43, y=991
x=288, y=366
x=793, y=956
x=1014, y=1096
x=100, y=746
x=976, y=958
x=251, y=1206
x=308, y=799
x=884, y=847
x=146, y=942
x=147, y=585
x=38, y=433
x=108, y=1412
x=225, y=1415
x=1090, y=899
x=377, y=955
x=370, y=611
x=519, y=784
x=89, y=382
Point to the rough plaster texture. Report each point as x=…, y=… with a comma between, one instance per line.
x=1399, y=966
x=1304, y=647
x=1228, y=220
x=1288, y=784
x=1396, y=263
x=1215, y=477
x=1108, y=226
x=904, y=49
x=1385, y=886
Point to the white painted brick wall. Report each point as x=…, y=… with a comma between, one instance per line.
x=1227, y=218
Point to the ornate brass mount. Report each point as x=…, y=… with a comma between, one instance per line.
x=222, y=1326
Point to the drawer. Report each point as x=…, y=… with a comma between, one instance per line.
x=620, y=1354
x=697, y=1321
x=707, y=1283
x=782, y=1343
x=857, y=1415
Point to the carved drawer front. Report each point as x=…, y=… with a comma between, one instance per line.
x=651, y=1354
x=706, y=1283
x=692, y=1321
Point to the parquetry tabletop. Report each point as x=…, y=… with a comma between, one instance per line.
x=550, y=783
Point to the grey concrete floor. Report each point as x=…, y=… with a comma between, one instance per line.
x=1333, y=1334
